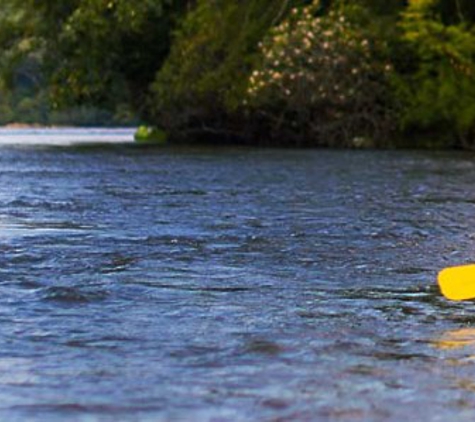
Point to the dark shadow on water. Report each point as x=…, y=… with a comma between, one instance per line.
x=74, y=294
x=191, y=287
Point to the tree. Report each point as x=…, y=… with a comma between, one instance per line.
x=91, y=52
x=438, y=90
x=202, y=83
x=450, y=12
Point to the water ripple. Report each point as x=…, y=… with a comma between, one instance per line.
x=73, y=295
x=198, y=284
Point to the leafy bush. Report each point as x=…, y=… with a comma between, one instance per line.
x=90, y=53
x=320, y=82
x=201, y=86
x=110, y=51
x=150, y=135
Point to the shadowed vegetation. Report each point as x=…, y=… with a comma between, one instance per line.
x=334, y=73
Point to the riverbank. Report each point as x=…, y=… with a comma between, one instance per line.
x=340, y=74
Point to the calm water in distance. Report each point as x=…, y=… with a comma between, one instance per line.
x=231, y=284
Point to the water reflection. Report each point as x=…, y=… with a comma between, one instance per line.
x=17, y=371
x=65, y=136
x=456, y=339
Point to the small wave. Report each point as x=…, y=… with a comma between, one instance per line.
x=172, y=192
x=105, y=343
x=29, y=284
x=396, y=356
x=118, y=264
x=193, y=288
x=72, y=295
x=263, y=347
x=446, y=200
x=47, y=205
x=407, y=270
x=412, y=294
x=172, y=241
x=76, y=408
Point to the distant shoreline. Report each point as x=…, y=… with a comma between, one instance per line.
x=34, y=126
x=42, y=126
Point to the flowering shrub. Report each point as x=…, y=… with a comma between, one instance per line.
x=320, y=83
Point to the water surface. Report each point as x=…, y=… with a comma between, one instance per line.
x=231, y=284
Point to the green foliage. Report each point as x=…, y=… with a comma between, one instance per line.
x=438, y=94
x=202, y=83
x=306, y=72
x=110, y=50
x=88, y=52
x=151, y=135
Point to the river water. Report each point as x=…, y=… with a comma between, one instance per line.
x=198, y=284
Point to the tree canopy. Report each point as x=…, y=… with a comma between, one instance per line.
x=297, y=72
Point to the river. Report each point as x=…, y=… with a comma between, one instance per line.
x=231, y=284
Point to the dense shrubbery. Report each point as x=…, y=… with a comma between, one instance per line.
x=438, y=93
x=320, y=82
x=200, y=88
x=204, y=88
x=93, y=54
x=295, y=72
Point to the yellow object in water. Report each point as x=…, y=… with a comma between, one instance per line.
x=458, y=283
